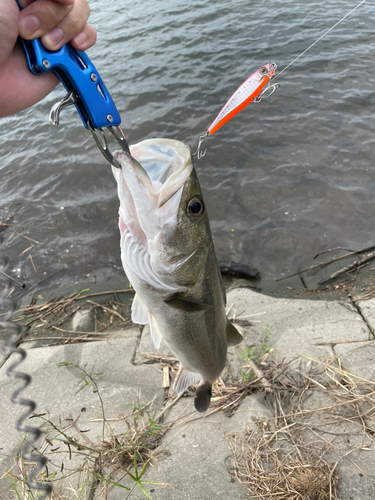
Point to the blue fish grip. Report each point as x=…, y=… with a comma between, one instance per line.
x=76, y=72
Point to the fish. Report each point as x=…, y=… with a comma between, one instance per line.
x=168, y=256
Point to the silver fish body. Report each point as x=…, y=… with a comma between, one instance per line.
x=168, y=255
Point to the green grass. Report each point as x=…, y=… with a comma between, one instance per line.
x=101, y=465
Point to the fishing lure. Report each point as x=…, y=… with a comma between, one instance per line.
x=252, y=90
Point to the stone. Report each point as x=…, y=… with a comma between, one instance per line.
x=83, y=321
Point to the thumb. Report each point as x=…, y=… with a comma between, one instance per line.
x=9, y=15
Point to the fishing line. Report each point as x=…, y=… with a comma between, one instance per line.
x=316, y=41
x=257, y=86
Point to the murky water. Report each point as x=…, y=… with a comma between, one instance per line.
x=285, y=179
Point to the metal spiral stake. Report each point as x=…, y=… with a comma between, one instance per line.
x=9, y=347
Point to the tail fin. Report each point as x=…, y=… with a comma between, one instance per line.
x=203, y=397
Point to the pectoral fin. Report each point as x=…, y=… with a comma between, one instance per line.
x=184, y=379
x=139, y=311
x=183, y=304
x=233, y=335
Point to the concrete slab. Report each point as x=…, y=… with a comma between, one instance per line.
x=335, y=433
x=358, y=358
x=199, y=460
x=367, y=308
x=296, y=326
x=194, y=456
x=146, y=345
x=56, y=389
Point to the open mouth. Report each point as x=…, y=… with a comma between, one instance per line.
x=162, y=165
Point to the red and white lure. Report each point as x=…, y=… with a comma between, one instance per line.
x=252, y=90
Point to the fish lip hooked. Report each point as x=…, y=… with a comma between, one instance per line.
x=161, y=165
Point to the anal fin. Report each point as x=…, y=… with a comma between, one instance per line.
x=184, y=379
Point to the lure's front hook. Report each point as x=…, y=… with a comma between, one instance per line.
x=198, y=152
x=272, y=87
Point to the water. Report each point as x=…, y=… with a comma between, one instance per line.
x=283, y=180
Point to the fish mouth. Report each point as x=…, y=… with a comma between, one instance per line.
x=161, y=165
x=150, y=185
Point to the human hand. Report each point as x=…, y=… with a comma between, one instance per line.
x=55, y=22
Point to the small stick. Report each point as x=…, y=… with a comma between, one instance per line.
x=332, y=250
x=362, y=259
x=337, y=369
x=29, y=248
x=32, y=262
x=108, y=310
x=343, y=342
x=27, y=237
x=166, y=382
x=260, y=376
x=21, y=285
x=334, y=259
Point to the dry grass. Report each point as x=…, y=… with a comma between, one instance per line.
x=50, y=320
x=269, y=471
x=116, y=459
x=322, y=416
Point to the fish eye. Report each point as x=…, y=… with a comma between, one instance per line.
x=263, y=70
x=195, y=207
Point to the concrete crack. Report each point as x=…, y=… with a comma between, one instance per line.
x=139, y=337
x=359, y=310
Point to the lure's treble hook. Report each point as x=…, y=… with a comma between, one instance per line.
x=272, y=87
x=198, y=152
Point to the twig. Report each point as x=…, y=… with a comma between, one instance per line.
x=338, y=369
x=336, y=342
x=329, y=261
x=260, y=375
x=362, y=259
x=108, y=310
x=27, y=237
x=21, y=285
x=32, y=262
x=27, y=249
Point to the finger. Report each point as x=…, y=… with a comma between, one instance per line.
x=85, y=39
x=72, y=24
x=9, y=17
x=25, y=3
x=20, y=89
x=40, y=17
